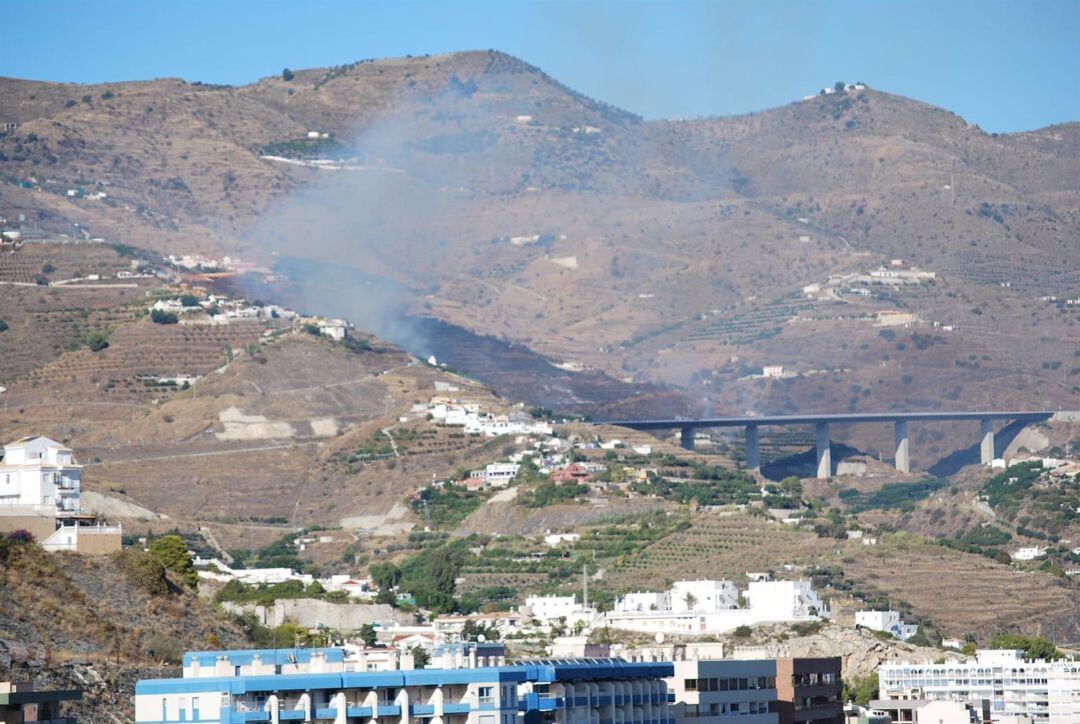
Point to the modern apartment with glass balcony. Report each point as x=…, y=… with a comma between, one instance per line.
x=317, y=686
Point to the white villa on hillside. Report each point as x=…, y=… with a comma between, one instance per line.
x=40, y=488
x=887, y=621
x=709, y=607
x=39, y=472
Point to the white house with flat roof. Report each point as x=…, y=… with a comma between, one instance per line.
x=710, y=607
x=887, y=621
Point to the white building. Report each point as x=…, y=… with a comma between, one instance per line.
x=1043, y=691
x=554, y=540
x=1028, y=554
x=40, y=488
x=40, y=473
x=711, y=607
x=84, y=538
x=887, y=621
x=784, y=601
x=215, y=570
x=643, y=601
x=497, y=475
x=548, y=610
x=703, y=596
x=333, y=328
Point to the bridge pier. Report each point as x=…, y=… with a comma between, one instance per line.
x=900, y=438
x=753, y=454
x=986, y=447
x=686, y=438
x=824, y=451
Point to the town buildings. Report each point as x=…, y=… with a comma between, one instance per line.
x=323, y=685
x=40, y=492
x=706, y=688
x=1000, y=681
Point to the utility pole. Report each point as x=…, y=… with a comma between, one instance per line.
x=585, y=585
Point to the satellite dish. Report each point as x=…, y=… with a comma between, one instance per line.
x=481, y=639
x=660, y=637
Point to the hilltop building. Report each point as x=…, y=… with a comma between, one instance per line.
x=40, y=489
x=1001, y=683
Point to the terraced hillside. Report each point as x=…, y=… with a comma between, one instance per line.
x=654, y=251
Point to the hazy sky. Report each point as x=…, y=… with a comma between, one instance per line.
x=1004, y=65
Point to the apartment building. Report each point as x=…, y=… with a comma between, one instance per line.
x=322, y=685
x=808, y=690
x=1001, y=682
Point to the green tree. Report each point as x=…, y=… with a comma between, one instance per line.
x=420, y=657
x=839, y=86
x=97, y=341
x=1034, y=647
x=385, y=574
x=3, y=326
x=175, y=556
x=792, y=486
x=315, y=589
x=443, y=567
x=159, y=316
x=368, y=635
x=189, y=300
x=472, y=631
x=286, y=75
x=861, y=689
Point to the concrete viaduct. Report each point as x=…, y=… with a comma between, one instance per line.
x=821, y=424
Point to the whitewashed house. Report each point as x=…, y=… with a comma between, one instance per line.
x=886, y=621
x=41, y=473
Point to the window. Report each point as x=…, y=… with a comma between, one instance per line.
x=195, y=708
x=486, y=695
x=690, y=684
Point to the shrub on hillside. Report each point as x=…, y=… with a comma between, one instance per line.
x=3, y=326
x=158, y=316
x=20, y=537
x=96, y=341
x=145, y=571
x=175, y=556
x=164, y=649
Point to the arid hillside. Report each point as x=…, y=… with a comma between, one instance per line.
x=493, y=197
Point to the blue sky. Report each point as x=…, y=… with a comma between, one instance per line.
x=1004, y=65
